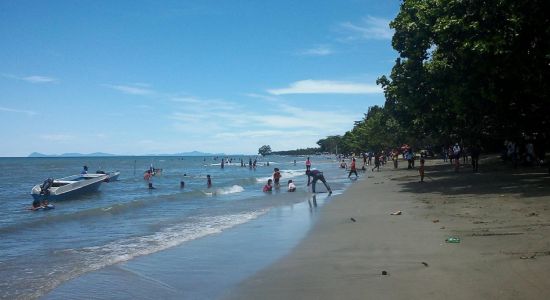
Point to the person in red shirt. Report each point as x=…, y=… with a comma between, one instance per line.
x=352, y=168
x=276, y=177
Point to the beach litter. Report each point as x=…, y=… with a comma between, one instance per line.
x=396, y=213
x=435, y=221
x=529, y=257
x=425, y=264
x=384, y=273
x=353, y=220
x=453, y=239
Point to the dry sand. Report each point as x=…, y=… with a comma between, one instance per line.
x=501, y=215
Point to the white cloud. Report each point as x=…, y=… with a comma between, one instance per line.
x=326, y=87
x=369, y=28
x=138, y=89
x=266, y=133
x=28, y=112
x=33, y=78
x=39, y=79
x=263, y=97
x=321, y=50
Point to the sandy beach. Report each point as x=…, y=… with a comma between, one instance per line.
x=501, y=215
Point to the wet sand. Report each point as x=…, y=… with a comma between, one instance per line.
x=501, y=215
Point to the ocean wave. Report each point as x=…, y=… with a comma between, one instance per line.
x=112, y=209
x=225, y=191
x=285, y=174
x=97, y=257
x=89, y=259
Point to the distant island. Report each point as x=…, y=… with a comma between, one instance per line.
x=101, y=154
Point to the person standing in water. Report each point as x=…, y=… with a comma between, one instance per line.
x=316, y=175
x=308, y=164
x=208, y=181
x=276, y=177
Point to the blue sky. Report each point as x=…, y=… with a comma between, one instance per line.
x=152, y=77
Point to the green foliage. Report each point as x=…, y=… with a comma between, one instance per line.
x=468, y=70
x=330, y=144
x=264, y=150
x=307, y=151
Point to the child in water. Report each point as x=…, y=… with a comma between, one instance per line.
x=276, y=177
x=268, y=187
x=291, y=186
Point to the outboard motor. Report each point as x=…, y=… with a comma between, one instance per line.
x=44, y=188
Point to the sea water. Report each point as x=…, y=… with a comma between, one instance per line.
x=126, y=227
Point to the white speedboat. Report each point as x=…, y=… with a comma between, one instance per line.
x=68, y=187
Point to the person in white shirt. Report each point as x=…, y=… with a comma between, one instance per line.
x=291, y=186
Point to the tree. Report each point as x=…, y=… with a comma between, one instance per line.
x=264, y=150
x=330, y=144
x=471, y=70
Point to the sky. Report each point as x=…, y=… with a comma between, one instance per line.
x=160, y=77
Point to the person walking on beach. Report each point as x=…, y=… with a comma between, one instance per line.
x=376, y=163
x=315, y=175
x=395, y=158
x=409, y=157
x=268, y=187
x=308, y=164
x=456, y=157
x=421, y=170
x=370, y=158
x=474, y=153
x=352, y=169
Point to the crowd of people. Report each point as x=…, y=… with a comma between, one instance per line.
x=528, y=153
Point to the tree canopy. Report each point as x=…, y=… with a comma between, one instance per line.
x=468, y=71
x=264, y=150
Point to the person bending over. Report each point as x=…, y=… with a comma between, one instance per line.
x=313, y=176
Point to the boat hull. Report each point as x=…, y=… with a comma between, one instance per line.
x=70, y=187
x=113, y=176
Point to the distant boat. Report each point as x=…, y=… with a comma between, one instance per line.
x=66, y=187
x=111, y=176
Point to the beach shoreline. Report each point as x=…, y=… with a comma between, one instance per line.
x=501, y=215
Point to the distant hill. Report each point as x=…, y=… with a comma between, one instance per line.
x=36, y=154
x=101, y=154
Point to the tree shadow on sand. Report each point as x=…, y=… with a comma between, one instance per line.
x=494, y=178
